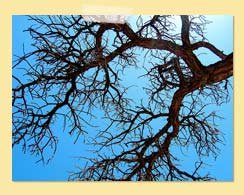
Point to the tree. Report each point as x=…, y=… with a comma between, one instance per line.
x=77, y=66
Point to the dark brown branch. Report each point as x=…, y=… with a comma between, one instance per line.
x=209, y=46
x=185, y=31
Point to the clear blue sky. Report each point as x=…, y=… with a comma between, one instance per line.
x=220, y=33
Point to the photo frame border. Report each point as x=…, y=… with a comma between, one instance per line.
x=45, y=7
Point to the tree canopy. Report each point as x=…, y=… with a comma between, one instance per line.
x=77, y=67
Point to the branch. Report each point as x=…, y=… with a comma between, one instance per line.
x=221, y=70
x=209, y=46
x=185, y=31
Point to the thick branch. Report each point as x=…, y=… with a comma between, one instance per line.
x=209, y=46
x=185, y=31
x=220, y=70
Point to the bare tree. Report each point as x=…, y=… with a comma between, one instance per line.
x=78, y=66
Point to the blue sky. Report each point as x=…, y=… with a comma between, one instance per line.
x=219, y=33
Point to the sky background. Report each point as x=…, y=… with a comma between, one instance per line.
x=219, y=33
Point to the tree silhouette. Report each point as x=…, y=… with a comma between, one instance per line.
x=78, y=66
